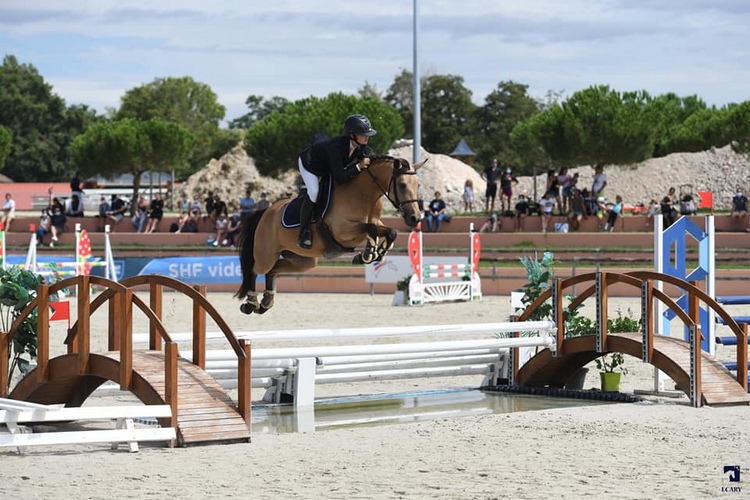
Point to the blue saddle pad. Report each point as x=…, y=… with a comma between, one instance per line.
x=290, y=217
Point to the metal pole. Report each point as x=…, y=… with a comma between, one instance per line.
x=416, y=105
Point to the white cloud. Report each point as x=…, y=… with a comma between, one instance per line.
x=94, y=50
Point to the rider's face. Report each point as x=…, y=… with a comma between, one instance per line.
x=361, y=139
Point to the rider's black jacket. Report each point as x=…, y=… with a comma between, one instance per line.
x=331, y=156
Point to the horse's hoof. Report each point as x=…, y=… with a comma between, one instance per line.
x=262, y=310
x=247, y=308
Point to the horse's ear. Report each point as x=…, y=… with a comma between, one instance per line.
x=419, y=165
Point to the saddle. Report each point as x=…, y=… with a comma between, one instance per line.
x=290, y=216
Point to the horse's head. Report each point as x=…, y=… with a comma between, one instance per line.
x=403, y=191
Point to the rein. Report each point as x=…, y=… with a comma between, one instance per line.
x=397, y=204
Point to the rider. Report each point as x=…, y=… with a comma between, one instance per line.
x=343, y=157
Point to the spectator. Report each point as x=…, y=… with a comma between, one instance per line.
x=599, y=183
x=219, y=208
x=653, y=211
x=155, y=213
x=75, y=205
x=601, y=211
x=668, y=211
x=614, y=212
x=116, y=210
x=492, y=224
x=247, y=203
x=9, y=212
x=222, y=224
x=75, y=185
x=58, y=223
x=263, y=202
x=233, y=228
x=209, y=201
x=565, y=182
x=687, y=205
x=141, y=214
x=44, y=226
x=101, y=217
x=553, y=187
x=189, y=224
x=739, y=209
x=435, y=213
x=489, y=174
x=577, y=209
x=184, y=204
x=506, y=189
x=547, y=204
x=468, y=196
x=522, y=211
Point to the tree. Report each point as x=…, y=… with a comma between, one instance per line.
x=400, y=95
x=39, y=123
x=259, y=109
x=446, y=112
x=595, y=126
x=671, y=111
x=131, y=146
x=503, y=108
x=183, y=101
x=275, y=142
x=5, y=141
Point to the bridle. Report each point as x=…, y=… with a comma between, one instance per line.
x=397, y=172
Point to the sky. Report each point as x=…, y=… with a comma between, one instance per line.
x=93, y=51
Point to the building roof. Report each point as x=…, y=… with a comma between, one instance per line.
x=462, y=149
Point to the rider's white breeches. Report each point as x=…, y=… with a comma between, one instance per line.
x=312, y=182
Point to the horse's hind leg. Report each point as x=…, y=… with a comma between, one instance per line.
x=290, y=263
x=251, y=304
x=269, y=294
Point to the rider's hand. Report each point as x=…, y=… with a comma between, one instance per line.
x=364, y=163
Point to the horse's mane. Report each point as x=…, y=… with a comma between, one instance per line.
x=402, y=161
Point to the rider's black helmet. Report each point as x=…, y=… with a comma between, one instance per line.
x=359, y=125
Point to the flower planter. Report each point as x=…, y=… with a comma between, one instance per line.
x=610, y=381
x=577, y=380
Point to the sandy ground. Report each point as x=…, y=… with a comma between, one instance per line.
x=661, y=448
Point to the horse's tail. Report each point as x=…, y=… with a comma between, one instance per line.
x=246, y=248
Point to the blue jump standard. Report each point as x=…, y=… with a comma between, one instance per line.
x=733, y=300
x=732, y=366
x=729, y=340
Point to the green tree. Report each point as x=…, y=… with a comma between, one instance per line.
x=5, y=141
x=400, y=95
x=258, y=108
x=738, y=127
x=446, y=112
x=670, y=112
x=131, y=146
x=39, y=123
x=506, y=106
x=183, y=101
x=275, y=142
x=595, y=126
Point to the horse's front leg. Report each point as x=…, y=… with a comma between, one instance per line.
x=380, y=239
x=269, y=294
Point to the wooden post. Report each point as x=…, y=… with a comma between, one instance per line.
x=696, y=338
x=170, y=379
x=83, y=325
x=155, y=302
x=559, y=317
x=4, y=363
x=601, y=311
x=244, y=384
x=647, y=315
x=742, y=357
x=199, y=330
x=42, y=332
x=113, y=342
x=125, y=318
x=514, y=357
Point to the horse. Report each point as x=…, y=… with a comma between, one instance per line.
x=268, y=248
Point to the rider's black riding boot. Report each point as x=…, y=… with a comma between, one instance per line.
x=305, y=216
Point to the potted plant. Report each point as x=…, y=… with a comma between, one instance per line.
x=401, y=297
x=611, y=365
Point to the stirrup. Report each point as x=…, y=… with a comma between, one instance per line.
x=305, y=239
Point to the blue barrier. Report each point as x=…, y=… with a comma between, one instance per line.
x=733, y=300
x=729, y=340
x=738, y=319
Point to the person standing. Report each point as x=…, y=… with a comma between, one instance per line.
x=247, y=204
x=489, y=174
x=522, y=211
x=468, y=196
x=547, y=204
x=506, y=189
x=599, y=182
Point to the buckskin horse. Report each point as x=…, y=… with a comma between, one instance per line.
x=353, y=217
